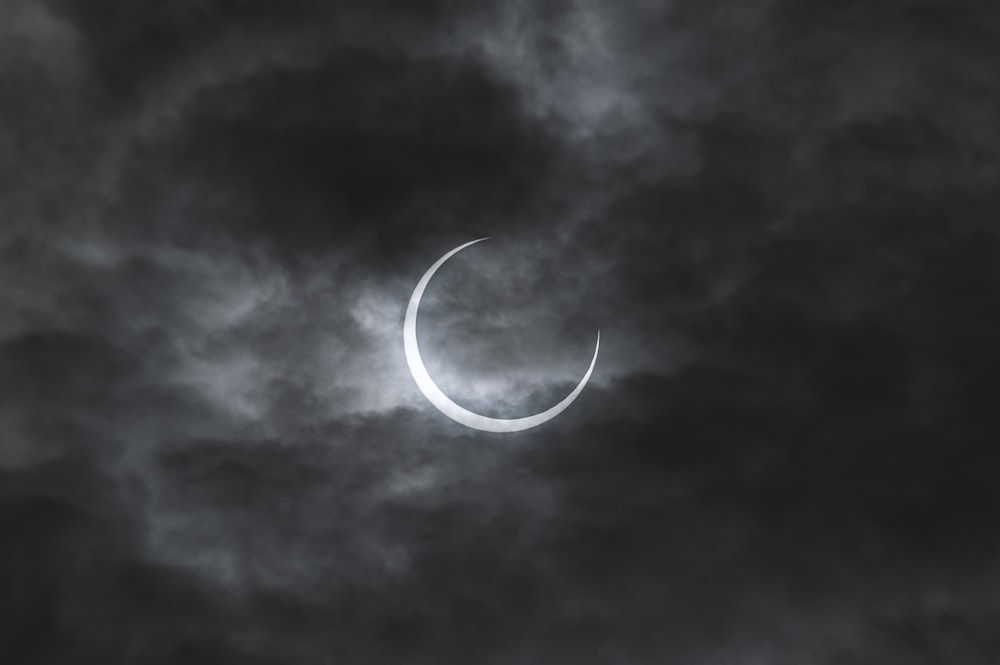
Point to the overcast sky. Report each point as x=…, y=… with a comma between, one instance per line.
x=783, y=217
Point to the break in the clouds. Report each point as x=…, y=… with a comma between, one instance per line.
x=781, y=216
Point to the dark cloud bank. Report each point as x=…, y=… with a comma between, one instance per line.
x=781, y=215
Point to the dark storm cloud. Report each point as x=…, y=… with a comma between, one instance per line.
x=364, y=138
x=781, y=218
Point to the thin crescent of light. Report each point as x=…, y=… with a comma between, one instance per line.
x=441, y=401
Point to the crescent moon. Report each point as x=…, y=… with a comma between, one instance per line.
x=441, y=401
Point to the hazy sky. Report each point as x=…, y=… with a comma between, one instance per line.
x=783, y=216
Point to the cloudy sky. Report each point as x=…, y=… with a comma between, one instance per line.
x=783, y=217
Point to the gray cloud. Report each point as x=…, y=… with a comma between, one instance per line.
x=780, y=217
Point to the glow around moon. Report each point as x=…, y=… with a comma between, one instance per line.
x=441, y=401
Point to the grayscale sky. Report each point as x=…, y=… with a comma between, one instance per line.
x=783, y=216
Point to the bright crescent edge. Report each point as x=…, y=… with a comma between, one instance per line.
x=441, y=401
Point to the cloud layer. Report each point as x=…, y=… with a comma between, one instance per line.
x=780, y=216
